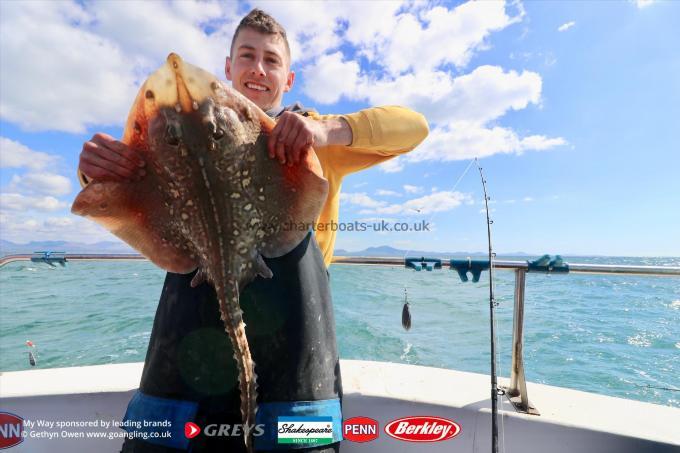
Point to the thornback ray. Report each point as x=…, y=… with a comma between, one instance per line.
x=212, y=199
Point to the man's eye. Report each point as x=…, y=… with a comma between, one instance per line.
x=272, y=60
x=247, y=55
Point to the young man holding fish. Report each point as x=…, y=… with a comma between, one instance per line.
x=189, y=374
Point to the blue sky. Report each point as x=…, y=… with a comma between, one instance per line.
x=572, y=108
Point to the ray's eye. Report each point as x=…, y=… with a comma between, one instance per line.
x=171, y=136
x=218, y=134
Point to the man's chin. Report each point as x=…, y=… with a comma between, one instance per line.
x=264, y=105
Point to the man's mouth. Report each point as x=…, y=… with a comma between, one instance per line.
x=256, y=86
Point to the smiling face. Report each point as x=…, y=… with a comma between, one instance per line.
x=259, y=68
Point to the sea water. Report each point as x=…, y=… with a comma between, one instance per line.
x=610, y=334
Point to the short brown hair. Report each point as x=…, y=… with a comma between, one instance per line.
x=261, y=22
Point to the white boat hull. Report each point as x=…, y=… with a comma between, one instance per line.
x=570, y=421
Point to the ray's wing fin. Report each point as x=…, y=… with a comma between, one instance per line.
x=294, y=196
x=135, y=213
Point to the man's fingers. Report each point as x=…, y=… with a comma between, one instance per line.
x=274, y=137
x=294, y=131
x=107, y=154
x=301, y=143
x=97, y=168
x=119, y=148
x=281, y=152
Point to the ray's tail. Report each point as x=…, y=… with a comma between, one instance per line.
x=232, y=316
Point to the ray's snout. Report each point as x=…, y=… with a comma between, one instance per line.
x=89, y=199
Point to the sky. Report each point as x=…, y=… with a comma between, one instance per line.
x=572, y=108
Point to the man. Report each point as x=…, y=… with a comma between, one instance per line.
x=189, y=374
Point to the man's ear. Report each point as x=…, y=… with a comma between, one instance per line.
x=227, y=68
x=289, y=81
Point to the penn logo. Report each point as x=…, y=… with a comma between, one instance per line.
x=11, y=430
x=360, y=429
x=422, y=429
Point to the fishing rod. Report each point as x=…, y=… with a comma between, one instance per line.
x=492, y=304
x=406, y=312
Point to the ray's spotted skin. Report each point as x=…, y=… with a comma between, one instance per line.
x=212, y=199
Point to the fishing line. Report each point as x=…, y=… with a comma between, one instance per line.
x=406, y=312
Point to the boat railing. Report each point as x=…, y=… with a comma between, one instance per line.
x=516, y=391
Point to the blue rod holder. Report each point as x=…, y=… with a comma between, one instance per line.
x=548, y=265
x=475, y=267
x=423, y=263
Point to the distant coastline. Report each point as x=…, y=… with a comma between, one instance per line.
x=112, y=247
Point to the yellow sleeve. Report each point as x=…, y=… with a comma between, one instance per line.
x=378, y=134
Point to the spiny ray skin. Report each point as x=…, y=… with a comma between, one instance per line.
x=212, y=199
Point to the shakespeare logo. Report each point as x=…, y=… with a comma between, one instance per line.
x=305, y=430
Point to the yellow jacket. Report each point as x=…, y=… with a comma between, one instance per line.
x=378, y=134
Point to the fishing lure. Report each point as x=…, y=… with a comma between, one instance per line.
x=406, y=312
x=31, y=355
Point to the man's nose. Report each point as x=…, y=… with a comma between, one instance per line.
x=257, y=69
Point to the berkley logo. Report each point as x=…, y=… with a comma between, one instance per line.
x=360, y=429
x=422, y=429
x=11, y=430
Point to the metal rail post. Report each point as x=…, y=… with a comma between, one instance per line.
x=517, y=391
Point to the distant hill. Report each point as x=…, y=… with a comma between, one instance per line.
x=11, y=248
x=387, y=251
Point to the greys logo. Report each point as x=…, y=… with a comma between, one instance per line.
x=192, y=430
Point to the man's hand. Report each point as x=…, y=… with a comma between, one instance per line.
x=295, y=135
x=107, y=159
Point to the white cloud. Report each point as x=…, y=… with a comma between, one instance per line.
x=22, y=228
x=394, y=165
x=67, y=65
x=451, y=36
x=387, y=193
x=462, y=140
x=59, y=222
x=310, y=26
x=16, y=155
x=566, y=26
x=644, y=3
x=41, y=183
x=322, y=82
x=435, y=202
x=412, y=189
x=378, y=219
x=18, y=202
x=360, y=199
x=483, y=95
x=461, y=107
x=97, y=53
x=527, y=199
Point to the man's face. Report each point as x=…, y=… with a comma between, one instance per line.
x=259, y=68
